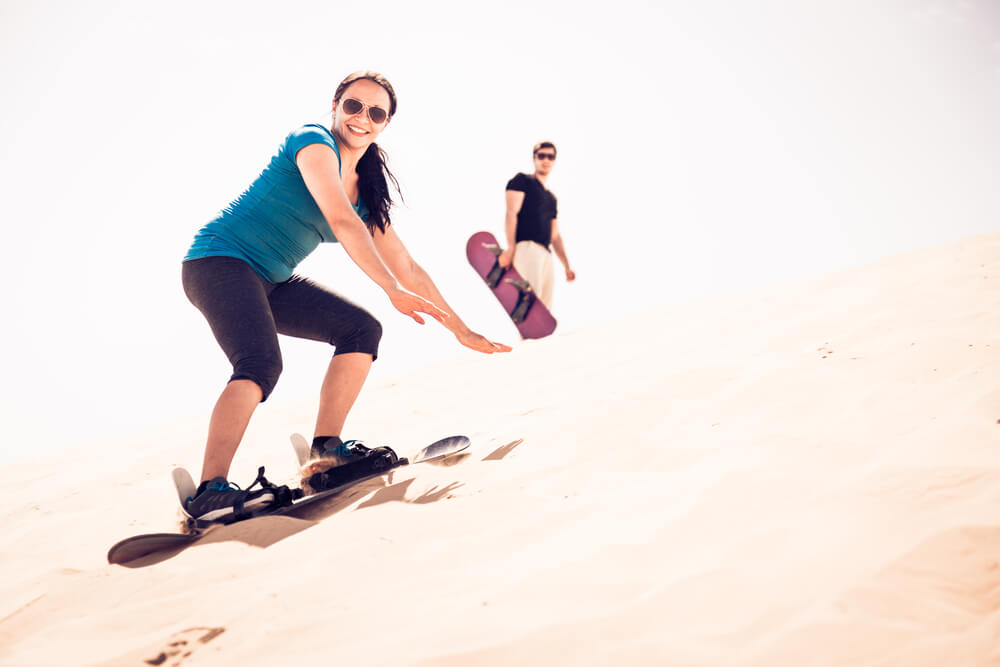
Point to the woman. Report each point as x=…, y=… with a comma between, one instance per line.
x=322, y=185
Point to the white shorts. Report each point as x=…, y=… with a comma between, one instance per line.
x=534, y=262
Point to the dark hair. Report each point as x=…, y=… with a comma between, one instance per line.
x=543, y=144
x=373, y=173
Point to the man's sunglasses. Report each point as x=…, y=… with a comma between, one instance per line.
x=353, y=106
x=545, y=156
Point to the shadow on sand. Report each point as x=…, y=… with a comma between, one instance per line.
x=500, y=452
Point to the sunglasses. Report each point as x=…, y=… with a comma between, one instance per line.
x=353, y=107
x=545, y=156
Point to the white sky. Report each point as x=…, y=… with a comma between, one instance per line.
x=703, y=148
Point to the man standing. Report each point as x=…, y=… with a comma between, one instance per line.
x=531, y=226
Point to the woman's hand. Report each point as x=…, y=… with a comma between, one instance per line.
x=479, y=343
x=506, y=258
x=411, y=304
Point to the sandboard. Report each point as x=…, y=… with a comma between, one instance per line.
x=138, y=546
x=526, y=311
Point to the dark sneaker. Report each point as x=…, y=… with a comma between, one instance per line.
x=339, y=463
x=335, y=452
x=218, y=499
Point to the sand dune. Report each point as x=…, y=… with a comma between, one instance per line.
x=806, y=475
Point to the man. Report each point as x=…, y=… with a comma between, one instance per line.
x=531, y=227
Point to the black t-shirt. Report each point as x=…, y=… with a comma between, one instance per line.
x=534, y=220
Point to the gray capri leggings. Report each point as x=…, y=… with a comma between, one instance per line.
x=246, y=312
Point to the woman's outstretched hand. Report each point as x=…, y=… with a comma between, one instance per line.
x=479, y=343
x=411, y=305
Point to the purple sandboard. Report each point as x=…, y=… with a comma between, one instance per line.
x=538, y=323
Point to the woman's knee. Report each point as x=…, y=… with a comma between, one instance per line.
x=264, y=371
x=364, y=337
x=371, y=334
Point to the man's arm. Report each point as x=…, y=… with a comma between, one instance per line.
x=515, y=199
x=560, y=250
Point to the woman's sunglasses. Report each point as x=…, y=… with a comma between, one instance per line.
x=545, y=156
x=353, y=107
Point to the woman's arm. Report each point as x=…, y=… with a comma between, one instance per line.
x=413, y=278
x=320, y=171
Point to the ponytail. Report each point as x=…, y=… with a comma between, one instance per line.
x=373, y=174
x=373, y=186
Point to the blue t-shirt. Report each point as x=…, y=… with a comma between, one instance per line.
x=275, y=223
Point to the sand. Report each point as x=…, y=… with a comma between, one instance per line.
x=803, y=475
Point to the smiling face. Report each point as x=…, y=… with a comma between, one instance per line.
x=356, y=130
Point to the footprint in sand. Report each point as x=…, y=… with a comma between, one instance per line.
x=182, y=644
